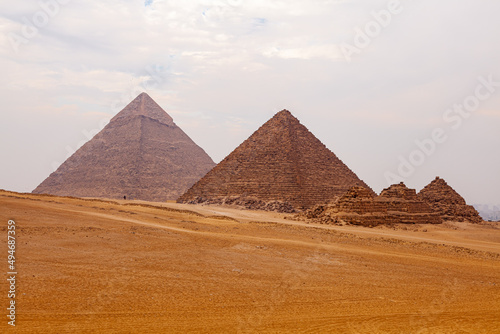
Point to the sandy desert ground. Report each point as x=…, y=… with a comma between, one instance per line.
x=93, y=266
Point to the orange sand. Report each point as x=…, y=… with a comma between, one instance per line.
x=91, y=266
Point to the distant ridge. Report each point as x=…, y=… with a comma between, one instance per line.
x=488, y=211
x=281, y=162
x=140, y=154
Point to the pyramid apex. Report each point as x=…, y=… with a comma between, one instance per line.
x=439, y=180
x=284, y=115
x=144, y=105
x=284, y=112
x=399, y=190
x=444, y=199
x=144, y=96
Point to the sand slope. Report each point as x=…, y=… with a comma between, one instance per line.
x=91, y=266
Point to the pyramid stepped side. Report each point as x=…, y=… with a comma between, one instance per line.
x=281, y=161
x=399, y=191
x=400, y=198
x=395, y=205
x=448, y=203
x=257, y=168
x=359, y=200
x=322, y=175
x=135, y=155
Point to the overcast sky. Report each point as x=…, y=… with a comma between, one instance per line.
x=398, y=90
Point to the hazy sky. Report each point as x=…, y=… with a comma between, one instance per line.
x=399, y=90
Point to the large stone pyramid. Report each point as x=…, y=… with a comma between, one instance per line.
x=281, y=162
x=141, y=154
x=447, y=202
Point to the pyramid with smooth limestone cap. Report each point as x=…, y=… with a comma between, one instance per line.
x=281, y=162
x=140, y=154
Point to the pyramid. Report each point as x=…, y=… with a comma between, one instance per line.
x=447, y=202
x=400, y=199
x=397, y=204
x=281, y=162
x=141, y=154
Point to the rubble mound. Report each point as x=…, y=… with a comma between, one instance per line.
x=400, y=198
x=361, y=201
x=247, y=203
x=395, y=205
x=448, y=203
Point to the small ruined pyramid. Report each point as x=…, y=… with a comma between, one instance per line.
x=281, y=162
x=397, y=204
x=140, y=154
x=404, y=203
x=447, y=202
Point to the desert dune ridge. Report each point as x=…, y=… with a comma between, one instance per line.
x=92, y=265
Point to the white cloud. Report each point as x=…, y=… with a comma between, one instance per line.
x=330, y=52
x=223, y=67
